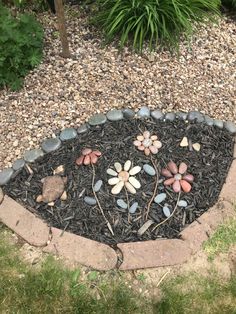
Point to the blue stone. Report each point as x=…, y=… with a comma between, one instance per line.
x=133, y=208
x=51, y=144
x=170, y=116
x=182, y=203
x=90, y=200
x=121, y=203
x=230, y=126
x=219, y=124
x=166, y=211
x=18, y=164
x=115, y=115
x=157, y=115
x=68, y=134
x=83, y=128
x=160, y=198
x=128, y=113
x=149, y=170
x=33, y=155
x=209, y=121
x=5, y=175
x=144, y=112
x=97, y=119
x=97, y=186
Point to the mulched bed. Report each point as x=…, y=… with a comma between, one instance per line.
x=115, y=140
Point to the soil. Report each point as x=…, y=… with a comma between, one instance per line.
x=115, y=140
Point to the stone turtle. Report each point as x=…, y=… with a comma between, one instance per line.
x=53, y=188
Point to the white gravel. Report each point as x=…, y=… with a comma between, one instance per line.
x=61, y=93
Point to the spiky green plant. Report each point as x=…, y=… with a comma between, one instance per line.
x=154, y=21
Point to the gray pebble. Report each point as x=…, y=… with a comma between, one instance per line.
x=68, y=134
x=33, y=155
x=149, y=170
x=97, y=119
x=182, y=203
x=170, y=116
x=133, y=208
x=196, y=116
x=1, y=195
x=166, y=211
x=18, y=164
x=157, y=115
x=181, y=115
x=51, y=144
x=83, y=128
x=128, y=113
x=5, y=175
x=144, y=112
x=218, y=123
x=230, y=126
x=209, y=121
x=115, y=115
x=90, y=200
x=160, y=198
x=121, y=203
x=97, y=186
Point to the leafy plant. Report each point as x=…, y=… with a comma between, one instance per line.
x=21, y=41
x=229, y=3
x=155, y=21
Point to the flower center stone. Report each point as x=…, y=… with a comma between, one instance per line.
x=178, y=176
x=124, y=176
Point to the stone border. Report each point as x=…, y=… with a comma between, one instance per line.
x=135, y=255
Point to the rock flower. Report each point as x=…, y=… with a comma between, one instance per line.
x=124, y=177
x=148, y=143
x=177, y=177
x=88, y=157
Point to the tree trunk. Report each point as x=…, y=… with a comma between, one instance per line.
x=62, y=28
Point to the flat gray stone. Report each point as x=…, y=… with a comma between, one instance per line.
x=68, y=134
x=218, y=123
x=33, y=155
x=51, y=144
x=128, y=113
x=115, y=115
x=133, y=208
x=90, y=200
x=230, y=126
x=180, y=115
x=149, y=170
x=196, y=116
x=209, y=121
x=121, y=203
x=5, y=175
x=170, y=116
x=18, y=164
x=157, y=114
x=83, y=128
x=97, y=186
x=144, y=112
x=97, y=119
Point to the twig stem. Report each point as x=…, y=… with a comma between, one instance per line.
x=155, y=188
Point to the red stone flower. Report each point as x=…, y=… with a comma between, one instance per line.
x=88, y=157
x=177, y=177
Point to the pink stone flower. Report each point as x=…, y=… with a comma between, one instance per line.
x=88, y=157
x=177, y=177
x=147, y=143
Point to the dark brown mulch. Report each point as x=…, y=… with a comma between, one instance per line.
x=115, y=141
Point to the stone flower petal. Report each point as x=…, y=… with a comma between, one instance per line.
x=166, y=173
x=157, y=144
x=112, y=172
x=169, y=181
x=117, y=188
x=113, y=181
x=87, y=160
x=141, y=147
x=127, y=165
x=137, y=143
x=94, y=158
x=134, y=182
x=146, y=134
x=147, y=151
x=86, y=151
x=182, y=168
x=185, y=186
x=176, y=186
x=80, y=160
x=130, y=188
x=118, y=166
x=189, y=178
x=140, y=138
x=154, y=137
x=172, y=167
x=135, y=170
x=153, y=150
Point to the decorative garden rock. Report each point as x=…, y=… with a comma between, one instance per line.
x=128, y=113
x=182, y=203
x=97, y=119
x=18, y=164
x=196, y=116
x=157, y=115
x=230, y=126
x=144, y=112
x=115, y=115
x=149, y=170
x=32, y=155
x=51, y=144
x=53, y=188
x=218, y=123
x=170, y=116
x=133, y=208
x=121, y=203
x=83, y=128
x=209, y=121
x=5, y=175
x=68, y=134
x=180, y=115
x=97, y=186
x=160, y=198
x=90, y=200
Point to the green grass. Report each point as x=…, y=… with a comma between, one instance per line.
x=222, y=239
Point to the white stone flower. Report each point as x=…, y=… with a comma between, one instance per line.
x=124, y=177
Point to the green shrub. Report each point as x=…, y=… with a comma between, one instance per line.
x=229, y=3
x=155, y=21
x=21, y=42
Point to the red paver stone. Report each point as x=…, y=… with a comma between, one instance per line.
x=228, y=192
x=31, y=228
x=155, y=253
x=81, y=250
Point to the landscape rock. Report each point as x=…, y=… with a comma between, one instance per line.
x=219, y=123
x=121, y=203
x=209, y=121
x=90, y=200
x=160, y=198
x=115, y=115
x=18, y=164
x=128, y=113
x=68, y=134
x=51, y=144
x=32, y=155
x=83, y=128
x=97, y=119
x=144, y=112
x=5, y=175
x=157, y=115
x=97, y=186
x=170, y=116
x=149, y=170
x=133, y=208
x=230, y=126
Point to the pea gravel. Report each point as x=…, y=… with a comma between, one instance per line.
x=65, y=93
